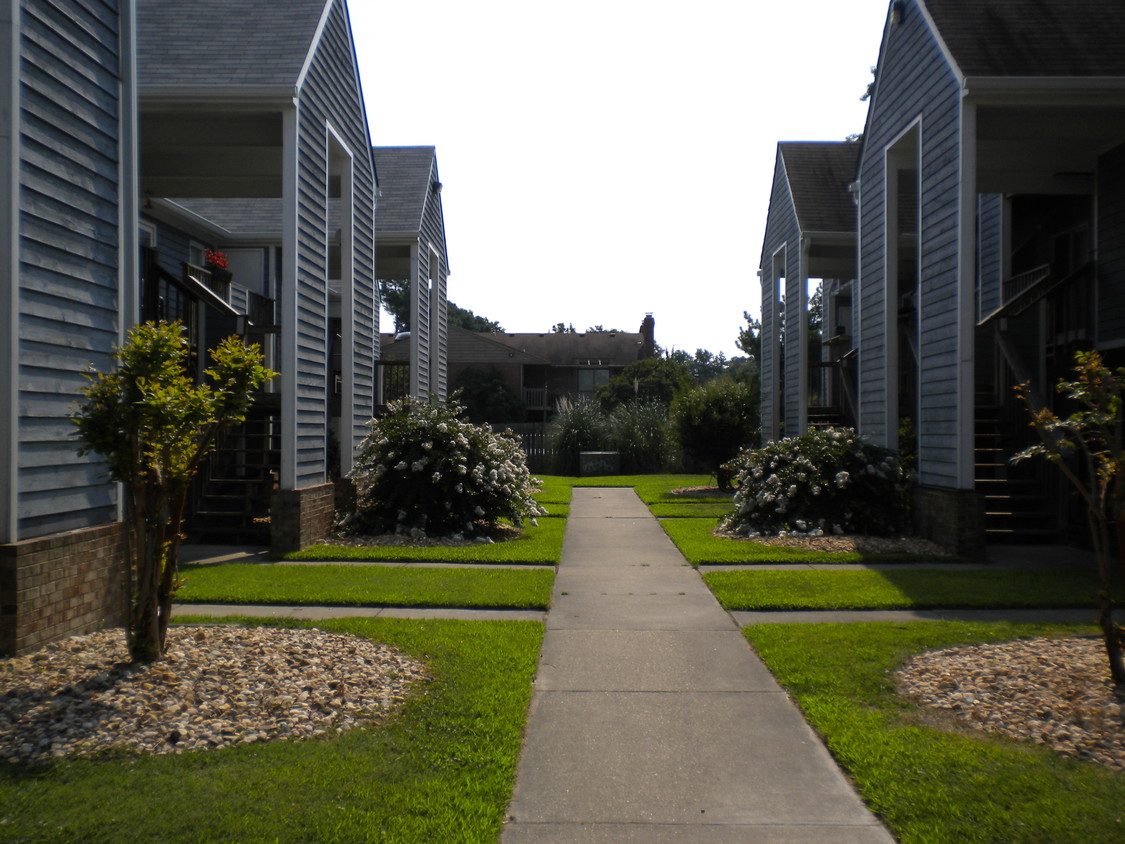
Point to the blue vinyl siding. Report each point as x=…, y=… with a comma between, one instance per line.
x=68, y=252
x=990, y=244
x=914, y=81
x=1111, y=248
x=331, y=95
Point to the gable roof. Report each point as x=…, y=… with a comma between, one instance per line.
x=819, y=173
x=605, y=348
x=225, y=43
x=405, y=176
x=1034, y=38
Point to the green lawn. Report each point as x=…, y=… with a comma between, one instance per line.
x=359, y=585
x=654, y=490
x=538, y=545
x=441, y=770
x=900, y=589
x=928, y=784
x=694, y=539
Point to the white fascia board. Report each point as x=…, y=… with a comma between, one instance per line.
x=840, y=238
x=217, y=97
x=1045, y=90
x=403, y=238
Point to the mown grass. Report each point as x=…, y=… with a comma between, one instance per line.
x=537, y=545
x=694, y=539
x=929, y=784
x=442, y=769
x=915, y=589
x=359, y=585
x=654, y=490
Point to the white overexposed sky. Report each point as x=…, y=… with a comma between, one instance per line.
x=602, y=159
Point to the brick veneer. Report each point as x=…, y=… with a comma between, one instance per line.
x=60, y=585
x=952, y=518
x=299, y=517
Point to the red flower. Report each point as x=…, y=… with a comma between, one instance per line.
x=216, y=259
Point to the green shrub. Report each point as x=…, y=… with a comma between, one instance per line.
x=714, y=421
x=826, y=481
x=640, y=432
x=581, y=425
x=423, y=470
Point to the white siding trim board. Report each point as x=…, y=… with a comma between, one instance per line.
x=10, y=110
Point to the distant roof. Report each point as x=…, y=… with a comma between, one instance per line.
x=819, y=173
x=405, y=175
x=1033, y=37
x=592, y=348
x=224, y=43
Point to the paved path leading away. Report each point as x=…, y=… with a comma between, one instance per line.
x=652, y=719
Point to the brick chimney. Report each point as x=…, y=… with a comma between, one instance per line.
x=648, y=338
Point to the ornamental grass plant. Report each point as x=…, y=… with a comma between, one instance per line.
x=826, y=481
x=425, y=471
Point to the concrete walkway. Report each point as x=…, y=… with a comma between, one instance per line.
x=652, y=720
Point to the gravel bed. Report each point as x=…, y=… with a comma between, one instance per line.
x=217, y=687
x=1056, y=692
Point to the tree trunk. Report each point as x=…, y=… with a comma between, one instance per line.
x=1099, y=532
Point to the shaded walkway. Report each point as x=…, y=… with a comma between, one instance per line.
x=652, y=719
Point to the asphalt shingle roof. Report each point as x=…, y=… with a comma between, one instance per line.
x=404, y=185
x=819, y=173
x=1033, y=37
x=224, y=43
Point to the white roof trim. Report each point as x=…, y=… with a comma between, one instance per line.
x=314, y=44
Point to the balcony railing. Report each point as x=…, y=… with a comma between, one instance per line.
x=535, y=399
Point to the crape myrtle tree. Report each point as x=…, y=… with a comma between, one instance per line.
x=1088, y=446
x=154, y=425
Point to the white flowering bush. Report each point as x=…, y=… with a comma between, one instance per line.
x=425, y=471
x=824, y=482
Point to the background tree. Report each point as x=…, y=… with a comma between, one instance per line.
x=471, y=322
x=750, y=337
x=563, y=328
x=487, y=397
x=714, y=421
x=154, y=426
x=395, y=295
x=657, y=379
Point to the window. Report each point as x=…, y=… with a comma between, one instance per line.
x=590, y=379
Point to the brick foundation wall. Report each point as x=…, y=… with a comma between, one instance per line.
x=299, y=517
x=60, y=585
x=952, y=518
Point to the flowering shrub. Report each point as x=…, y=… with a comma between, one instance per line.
x=827, y=481
x=423, y=470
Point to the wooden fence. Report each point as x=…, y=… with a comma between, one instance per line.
x=533, y=438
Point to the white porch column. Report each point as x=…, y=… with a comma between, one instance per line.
x=803, y=337
x=966, y=288
x=288, y=298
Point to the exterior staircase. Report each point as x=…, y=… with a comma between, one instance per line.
x=826, y=417
x=1017, y=499
x=231, y=498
